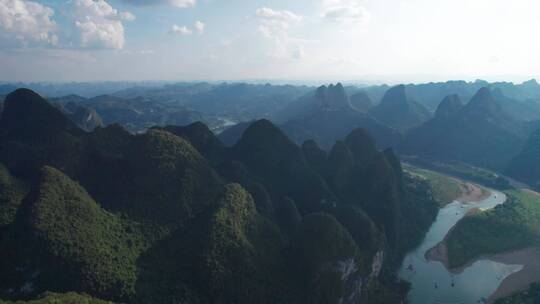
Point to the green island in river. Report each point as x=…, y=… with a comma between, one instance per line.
x=509, y=233
x=510, y=226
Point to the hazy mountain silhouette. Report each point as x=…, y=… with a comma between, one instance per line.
x=524, y=166
x=136, y=115
x=480, y=133
x=329, y=116
x=361, y=102
x=399, y=110
x=84, y=117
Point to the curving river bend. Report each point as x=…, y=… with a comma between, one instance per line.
x=432, y=282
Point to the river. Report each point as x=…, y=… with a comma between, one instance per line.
x=433, y=283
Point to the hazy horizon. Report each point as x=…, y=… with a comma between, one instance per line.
x=284, y=81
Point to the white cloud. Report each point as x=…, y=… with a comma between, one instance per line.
x=138, y=52
x=175, y=3
x=198, y=27
x=99, y=24
x=298, y=52
x=274, y=25
x=127, y=16
x=345, y=11
x=183, y=3
x=273, y=22
x=181, y=30
x=26, y=23
x=284, y=16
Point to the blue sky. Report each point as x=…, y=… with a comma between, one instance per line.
x=364, y=40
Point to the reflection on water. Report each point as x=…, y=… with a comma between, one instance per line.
x=432, y=283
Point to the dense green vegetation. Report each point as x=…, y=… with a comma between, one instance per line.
x=529, y=296
x=521, y=166
x=241, y=252
x=174, y=216
x=322, y=246
x=278, y=163
x=444, y=188
x=56, y=298
x=419, y=210
x=64, y=230
x=512, y=225
x=463, y=170
x=12, y=192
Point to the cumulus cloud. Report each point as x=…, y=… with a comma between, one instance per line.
x=26, y=23
x=274, y=22
x=99, y=24
x=183, y=3
x=198, y=28
x=127, y=16
x=274, y=25
x=345, y=11
x=180, y=30
x=175, y=3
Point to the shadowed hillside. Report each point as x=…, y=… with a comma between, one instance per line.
x=173, y=215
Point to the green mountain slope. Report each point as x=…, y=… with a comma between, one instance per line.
x=173, y=216
x=280, y=165
x=12, y=192
x=525, y=166
x=54, y=298
x=65, y=241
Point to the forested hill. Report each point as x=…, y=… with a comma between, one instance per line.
x=173, y=215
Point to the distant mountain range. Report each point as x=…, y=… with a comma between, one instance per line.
x=136, y=115
x=479, y=132
x=85, y=117
x=235, y=101
x=398, y=110
x=242, y=102
x=328, y=116
x=410, y=118
x=430, y=94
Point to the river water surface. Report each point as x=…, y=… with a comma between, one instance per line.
x=432, y=283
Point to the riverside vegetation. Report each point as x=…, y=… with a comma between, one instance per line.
x=444, y=188
x=510, y=226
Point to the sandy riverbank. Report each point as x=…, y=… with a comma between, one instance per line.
x=531, y=192
x=439, y=253
x=530, y=259
x=471, y=192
